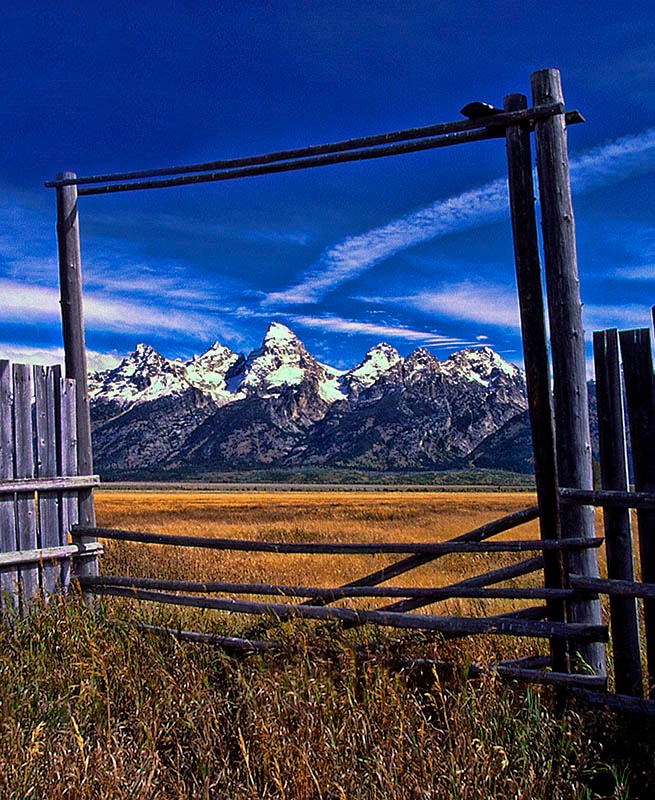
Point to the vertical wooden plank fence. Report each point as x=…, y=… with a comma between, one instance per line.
x=25, y=501
x=39, y=487
x=616, y=498
x=46, y=452
x=66, y=404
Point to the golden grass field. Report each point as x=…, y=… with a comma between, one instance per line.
x=299, y=516
x=303, y=517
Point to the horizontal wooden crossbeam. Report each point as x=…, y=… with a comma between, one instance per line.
x=608, y=498
x=613, y=587
x=227, y=642
x=456, y=625
x=433, y=594
x=45, y=554
x=338, y=548
x=387, y=144
x=622, y=703
x=70, y=483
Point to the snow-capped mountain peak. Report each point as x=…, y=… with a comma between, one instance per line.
x=281, y=361
x=279, y=334
x=210, y=372
x=479, y=365
x=280, y=406
x=143, y=375
x=378, y=360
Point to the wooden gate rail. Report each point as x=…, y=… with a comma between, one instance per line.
x=172, y=591
x=613, y=587
x=486, y=531
x=608, y=498
x=337, y=548
x=431, y=594
x=50, y=555
x=464, y=625
x=49, y=484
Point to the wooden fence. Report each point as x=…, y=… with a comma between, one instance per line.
x=530, y=621
x=39, y=484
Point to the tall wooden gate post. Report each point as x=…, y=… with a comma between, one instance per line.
x=574, y=462
x=535, y=351
x=72, y=317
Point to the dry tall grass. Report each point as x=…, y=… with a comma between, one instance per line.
x=94, y=709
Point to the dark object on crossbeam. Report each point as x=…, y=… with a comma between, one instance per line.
x=478, y=110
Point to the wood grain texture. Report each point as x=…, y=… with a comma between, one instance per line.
x=572, y=431
x=618, y=527
x=8, y=534
x=25, y=467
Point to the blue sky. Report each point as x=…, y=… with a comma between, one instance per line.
x=414, y=250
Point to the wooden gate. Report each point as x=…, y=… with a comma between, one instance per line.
x=39, y=485
x=558, y=413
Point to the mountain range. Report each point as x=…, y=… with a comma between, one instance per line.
x=280, y=407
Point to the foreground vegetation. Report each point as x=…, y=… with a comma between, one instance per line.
x=93, y=707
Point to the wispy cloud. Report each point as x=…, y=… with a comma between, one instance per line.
x=339, y=325
x=36, y=305
x=644, y=273
x=466, y=301
x=598, y=317
x=20, y=302
x=19, y=354
x=616, y=161
x=355, y=255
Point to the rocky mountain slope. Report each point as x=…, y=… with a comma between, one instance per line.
x=280, y=407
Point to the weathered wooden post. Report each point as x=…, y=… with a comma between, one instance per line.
x=574, y=461
x=46, y=382
x=535, y=351
x=25, y=502
x=72, y=316
x=640, y=397
x=618, y=528
x=8, y=541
